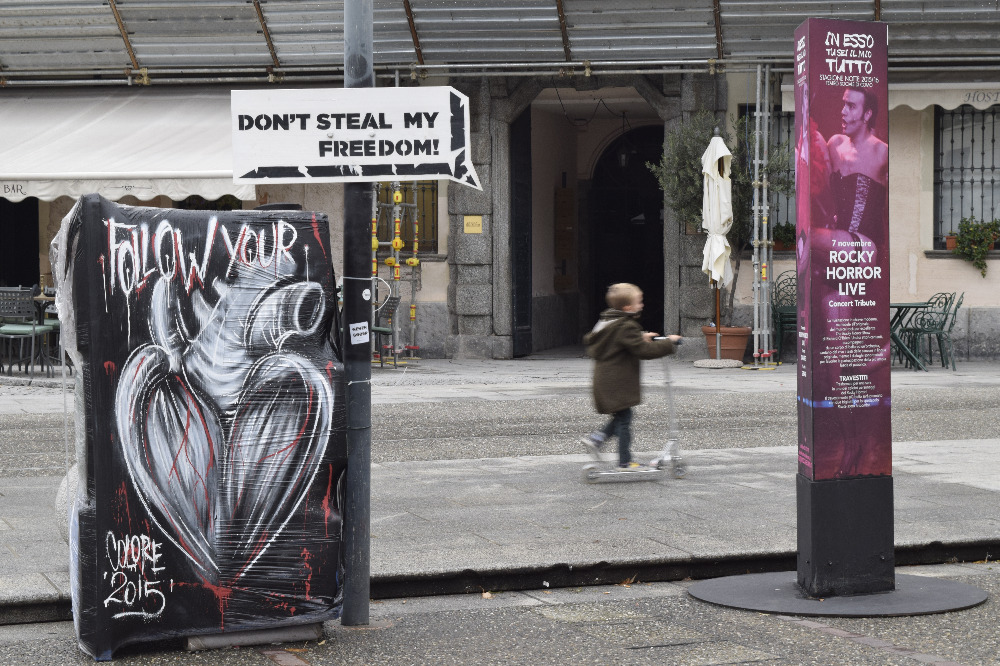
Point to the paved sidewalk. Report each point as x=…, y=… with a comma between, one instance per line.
x=530, y=521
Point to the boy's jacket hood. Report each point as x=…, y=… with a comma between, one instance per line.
x=600, y=339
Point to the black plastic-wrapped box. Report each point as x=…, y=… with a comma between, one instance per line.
x=211, y=436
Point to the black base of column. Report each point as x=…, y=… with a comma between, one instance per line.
x=845, y=536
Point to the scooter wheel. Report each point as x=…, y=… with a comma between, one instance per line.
x=590, y=474
x=680, y=471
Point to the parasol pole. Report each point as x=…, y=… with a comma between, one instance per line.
x=715, y=285
x=718, y=320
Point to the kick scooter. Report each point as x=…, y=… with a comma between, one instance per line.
x=605, y=471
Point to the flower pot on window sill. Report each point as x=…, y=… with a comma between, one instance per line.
x=734, y=341
x=950, y=242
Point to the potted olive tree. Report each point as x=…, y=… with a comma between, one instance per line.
x=680, y=177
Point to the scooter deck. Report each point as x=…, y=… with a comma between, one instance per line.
x=600, y=474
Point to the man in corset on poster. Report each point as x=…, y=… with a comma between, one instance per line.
x=860, y=165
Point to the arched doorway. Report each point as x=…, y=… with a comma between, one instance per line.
x=626, y=213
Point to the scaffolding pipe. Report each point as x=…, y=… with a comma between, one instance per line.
x=765, y=202
x=413, y=262
x=763, y=239
x=375, y=243
x=402, y=213
x=393, y=262
x=759, y=348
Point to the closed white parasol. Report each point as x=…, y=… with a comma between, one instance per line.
x=717, y=219
x=717, y=210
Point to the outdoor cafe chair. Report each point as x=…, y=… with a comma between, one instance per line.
x=21, y=325
x=943, y=335
x=926, y=324
x=50, y=312
x=908, y=331
x=784, y=314
x=385, y=314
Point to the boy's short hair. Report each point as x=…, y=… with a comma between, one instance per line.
x=621, y=294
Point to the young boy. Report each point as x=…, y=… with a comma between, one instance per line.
x=617, y=343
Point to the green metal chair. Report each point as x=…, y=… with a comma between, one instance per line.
x=908, y=332
x=17, y=311
x=943, y=335
x=928, y=324
x=386, y=314
x=784, y=313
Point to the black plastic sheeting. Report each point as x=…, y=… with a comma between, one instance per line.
x=213, y=447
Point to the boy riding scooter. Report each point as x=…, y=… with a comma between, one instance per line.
x=618, y=345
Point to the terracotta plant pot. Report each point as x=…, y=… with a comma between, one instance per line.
x=734, y=341
x=950, y=242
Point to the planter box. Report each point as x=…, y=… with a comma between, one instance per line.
x=734, y=341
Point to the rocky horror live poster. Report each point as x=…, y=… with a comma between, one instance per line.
x=210, y=421
x=841, y=183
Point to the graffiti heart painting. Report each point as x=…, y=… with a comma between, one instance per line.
x=210, y=420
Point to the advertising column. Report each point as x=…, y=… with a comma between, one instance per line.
x=844, y=482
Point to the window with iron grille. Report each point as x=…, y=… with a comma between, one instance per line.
x=966, y=168
x=782, y=206
x=783, y=132
x=423, y=195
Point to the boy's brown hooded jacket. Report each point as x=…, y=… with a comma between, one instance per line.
x=617, y=346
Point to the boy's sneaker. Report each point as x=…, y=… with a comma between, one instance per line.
x=631, y=465
x=594, y=442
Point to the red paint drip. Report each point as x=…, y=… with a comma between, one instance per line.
x=109, y=368
x=326, y=502
x=122, y=494
x=222, y=595
x=306, y=556
x=315, y=226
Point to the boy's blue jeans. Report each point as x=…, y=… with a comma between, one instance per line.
x=620, y=426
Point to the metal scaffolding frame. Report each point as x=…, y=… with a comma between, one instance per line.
x=763, y=233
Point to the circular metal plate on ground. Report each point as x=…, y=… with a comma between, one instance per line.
x=779, y=593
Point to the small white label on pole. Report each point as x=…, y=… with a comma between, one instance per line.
x=359, y=333
x=367, y=294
